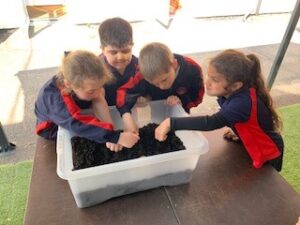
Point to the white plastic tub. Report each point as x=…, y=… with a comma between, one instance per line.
x=94, y=185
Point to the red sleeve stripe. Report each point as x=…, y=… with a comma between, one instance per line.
x=42, y=126
x=122, y=91
x=74, y=110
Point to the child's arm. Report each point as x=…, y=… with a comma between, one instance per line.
x=100, y=108
x=128, y=93
x=204, y=123
x=126, y=139
x=127, y=96
x=143, y=101
x=61, y=110
x=129, y=123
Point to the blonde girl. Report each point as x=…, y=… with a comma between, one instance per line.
x=79, y=86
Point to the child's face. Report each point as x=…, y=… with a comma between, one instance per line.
x=216, y=84
x=119, y=58
x=165, y=81
x=89, y=90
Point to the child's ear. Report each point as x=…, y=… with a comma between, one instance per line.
x=175, y=63
x=236, y=86
x=67, y=83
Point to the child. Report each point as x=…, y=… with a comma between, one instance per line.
x=116, y=44
x=246, y=107
x=79, y=86
x=163, y=75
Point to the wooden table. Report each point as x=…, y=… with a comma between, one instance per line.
x=225, y=189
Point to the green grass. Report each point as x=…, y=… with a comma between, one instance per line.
x=291, y=134
x=14, y=183
x=14, y=178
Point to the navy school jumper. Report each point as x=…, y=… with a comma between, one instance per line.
x=250, y=119
x=54, y=108
x=188, y=87
x=118, y=79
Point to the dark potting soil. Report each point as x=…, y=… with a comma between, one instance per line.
x=87, y=153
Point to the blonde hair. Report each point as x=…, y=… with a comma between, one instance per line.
x=155, y=59
x=80, y=65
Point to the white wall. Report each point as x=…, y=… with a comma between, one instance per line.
x=13, y=14
x=209, y=8
x=44, y=2
x=91, y=11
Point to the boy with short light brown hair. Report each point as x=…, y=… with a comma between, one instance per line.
x=163, y=75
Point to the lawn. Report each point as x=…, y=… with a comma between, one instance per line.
x=14, y=183
x=15, y=178
x=291, y=128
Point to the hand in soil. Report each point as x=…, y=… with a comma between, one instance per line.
x=128, y=139
x=88, y=153
x=161, y=132
x=114, y=147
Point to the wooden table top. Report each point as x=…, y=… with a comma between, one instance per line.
x=225, y=189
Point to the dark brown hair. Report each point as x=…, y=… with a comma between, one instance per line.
x=236, y=66
x=116, y=32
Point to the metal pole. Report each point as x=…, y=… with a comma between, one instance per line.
x=257, y=8
x=258, y=4
x=284, y=45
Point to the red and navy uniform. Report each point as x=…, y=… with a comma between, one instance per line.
x=119, y=79
x=54, y=108
x=250, y=119
x=187, y=86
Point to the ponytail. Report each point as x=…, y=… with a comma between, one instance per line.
x=263, y=93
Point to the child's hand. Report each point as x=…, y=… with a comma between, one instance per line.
x=229, y=135
x=162, y=130
x=129, y=124
x=142, y=101
x=128, y=139
x=173, y=100
x=298, y=223
x=114, y=147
